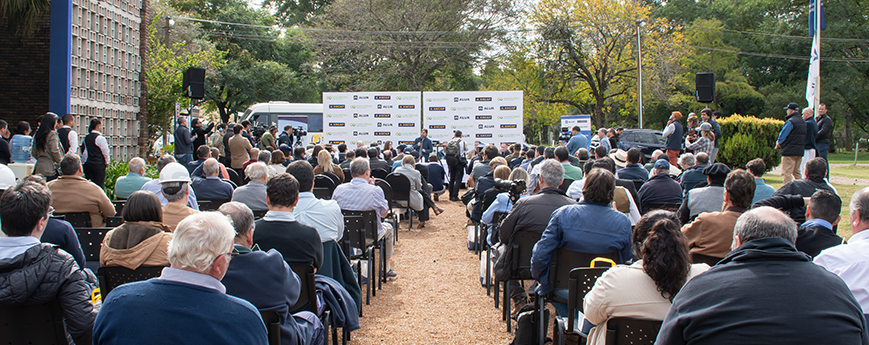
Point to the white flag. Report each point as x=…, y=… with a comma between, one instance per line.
x=812, y=84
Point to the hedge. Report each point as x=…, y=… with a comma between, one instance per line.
x=744, y=138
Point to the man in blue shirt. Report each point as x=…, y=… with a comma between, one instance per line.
x=211, y=187
x=423, y=144
x=577, y=141
x=761, y=190
x=133, y=181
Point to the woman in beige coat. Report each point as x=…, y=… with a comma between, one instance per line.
x=645, y=289
x=143, y=239
x=46, y=147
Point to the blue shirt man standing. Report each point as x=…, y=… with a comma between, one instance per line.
x=577, y=141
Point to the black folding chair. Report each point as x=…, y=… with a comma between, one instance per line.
x=706, y=259
x=90, y=240
x=520, y=267
x=273, y=324
x=308, y=295
x=626, y=330
x=581, y=281
x=259, y=214
x=119, y=206
x=334, y=178
x=497, y=218
x=379, y=173
x=565, y=184
x=347, y=176
x=387, y=194
x=668, y=207
x=111, y=277
x=113, y=222
x=77, y=219
x=323, y=187
x=36, y=324
x=233, y=176
x=211, y=205
x=360, y=231
x=401, y=194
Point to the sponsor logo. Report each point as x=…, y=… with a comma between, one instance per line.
x=360, y=106
x=483, y=99
x=382, y=98
x=501, y=99
x=384, y=106
x=437, y=126
x=508, y=107
x=337, y=133
x=336, y=97
x=382, y=134
x=337, y=116
x=509, y=125
x=461, y=126
x=482, y=126
x=336, y=142
x=382, y=116
x=482, y=108
x=357, y=97
x=437, y=99
x=460, y=117
x=461, y=108
x=437, y=117
x=459, y=99
x=358, y=134
x=407, y=106
x=507, y=117
x=407, y=116
x=484, y=135
x=336, y=124
x=437, y=108
x=404, y=124
x=384, y=124
x=336, y=106
x=405, y=142
x=484, y=117
x=359, y=116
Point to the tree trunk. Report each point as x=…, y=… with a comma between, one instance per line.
x=848, y=142
x=142, y=117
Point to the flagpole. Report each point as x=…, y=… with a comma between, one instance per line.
x=817, y=39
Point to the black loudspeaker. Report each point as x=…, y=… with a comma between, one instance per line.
x=705, y=87
x=194, y=83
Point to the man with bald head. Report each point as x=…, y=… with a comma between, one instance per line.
x=211, y=187
x=763, y=292
x=133, y=181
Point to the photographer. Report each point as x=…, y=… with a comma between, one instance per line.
x=515, y=188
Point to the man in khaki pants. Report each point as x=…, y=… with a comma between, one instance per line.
x=791, y=141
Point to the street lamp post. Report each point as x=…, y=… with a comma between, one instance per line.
x=639, y=76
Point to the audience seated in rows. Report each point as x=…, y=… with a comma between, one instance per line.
x=348, y=158
x=480, y=168
x=153, y=186
x=570, y=171
x=548, y=153
x=203, y=152
x=362, y=195
x=265, y=280
x=822, y=214
x=708, y=198
x=279, y=229
x=277, y=163
x=72, y=193
x=711, y=234
x=323, y=215
x=253, y=194
x=660, y=189
x=761, y=190
x=502, y=201
x=816, y=170
x=34, y=273
x=325, y=165
x=133, y=181
x=590, y=226
x=764, y=291
x=143, y=239
x=174, y=186
x=419, y=199
x=376, y=163
x=693, y=175
x=188, y=300
x=632, y=169
x=212, y=187
x=646, y=288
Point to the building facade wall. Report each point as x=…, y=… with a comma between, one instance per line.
x=24, y=73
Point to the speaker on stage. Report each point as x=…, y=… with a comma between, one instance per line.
x=194, y=83
x=705, y=87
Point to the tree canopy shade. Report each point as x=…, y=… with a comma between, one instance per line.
x=403, y=44
x=22, y=15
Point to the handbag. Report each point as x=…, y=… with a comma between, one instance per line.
x=468, y=196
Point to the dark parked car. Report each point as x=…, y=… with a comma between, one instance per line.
x=647, y=140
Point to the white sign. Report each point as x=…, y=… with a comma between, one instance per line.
x=349, y=117
x=492, y=117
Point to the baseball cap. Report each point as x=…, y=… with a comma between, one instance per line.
x=662, y=164
x=793, y=106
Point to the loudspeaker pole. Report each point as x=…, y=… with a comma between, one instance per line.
x=639, y=76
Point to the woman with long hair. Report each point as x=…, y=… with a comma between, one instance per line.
x=143, y=239
x=387, y=146
x=325, y=165
x=46, y=147
x=277, y=162
x=646, y=288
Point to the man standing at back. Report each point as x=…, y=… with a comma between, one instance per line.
x=200, y=133
x=239, y=147
x=792, y=141
x=187, y=303
x=577, y=140
x=707, y=115
x=825, y=129
x=95, y=154
x=456, y=149
x=183, y=142
x=673, y=133
x=68, y=137
x=764, y=292
x=811, y=133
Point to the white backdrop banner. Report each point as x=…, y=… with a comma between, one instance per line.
x=371, y=117
x=492, y=117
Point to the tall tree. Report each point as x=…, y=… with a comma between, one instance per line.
x=22, y=15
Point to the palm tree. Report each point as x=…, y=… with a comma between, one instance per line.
x=21, y=16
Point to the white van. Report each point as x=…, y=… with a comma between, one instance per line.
x=307, y=115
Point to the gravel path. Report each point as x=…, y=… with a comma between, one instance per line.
x=437, y=297
x=836, y=179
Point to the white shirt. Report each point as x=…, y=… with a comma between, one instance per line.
x=323, y=215
x=101, y=143
x=850, y=262
x=669, y=130
x=463, y=149
x=73, y=140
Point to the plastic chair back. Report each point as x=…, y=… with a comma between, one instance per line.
x=400, y=186
x=625, y=330
x=308, y=293
x=78, y=219
x=273, y=324
x=379, y=173
x=668, y=207
x=523, y=248
x=706, y=259
x=386, y=187
x=333, y=177
x=565, y=261
x=111, y=277
x=119, y=206
x=581, y=281
x=33, y=324
x=258, y=214
x=113, y=222
x=323, y=187
x=347, y=176
x=565, y=184
x=233, y=176
x=90, y=240
x=211, y=205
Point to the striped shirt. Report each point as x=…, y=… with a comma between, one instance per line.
x=359, y=195
x=702, y=144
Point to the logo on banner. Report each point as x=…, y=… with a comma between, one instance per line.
x=438, y=99
x=483, y=99
x=437, y=117
x=405, y=142
x=384, y=124
x=437, y=108
x=509, y=125
x=407, y=106
x=357, y=134
x=336, y=106
x=482, y=108
x=507, y=117
x=382, y=98
x=336, y=142
x=336, y=124
x=482, y=126
x=357, y=97
x=381, y=134
x=501, y=99
x=484, y=135
x=407, y=116
x=336, y=97
x=461, y=126
x=360, y=106
x=437, y=126
x=337, y=133
x=384, y=106
x=459, y=99
x=508, y=107
x=461, y=108
x=461, y=117
x=484, y=117
x=382, y=116
x=359, y=116
x=406, y=125
x=337, y=116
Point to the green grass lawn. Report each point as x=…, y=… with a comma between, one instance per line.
x=848, y=158
x=845, y=192
x=851, y=171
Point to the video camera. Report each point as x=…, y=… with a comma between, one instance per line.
x=259, y=130
x=565, y=134
x=300, y=132
x=515, y=187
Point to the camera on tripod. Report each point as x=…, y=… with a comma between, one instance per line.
x=515, y=187
x=565, y=134
x=300, y=132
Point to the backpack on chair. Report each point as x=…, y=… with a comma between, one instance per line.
x=526, y=325
x=452, y=148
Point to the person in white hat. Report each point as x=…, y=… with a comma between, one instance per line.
x=174, y=180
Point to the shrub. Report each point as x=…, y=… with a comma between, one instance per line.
x=744, y=138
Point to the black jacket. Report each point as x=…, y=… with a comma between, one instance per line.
x=794, y=144
x=812, y=240
x=825, y=127
x=804, y=188
x=764, y=292
x=44, y=273
x=530, y=214
x=200, y=135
